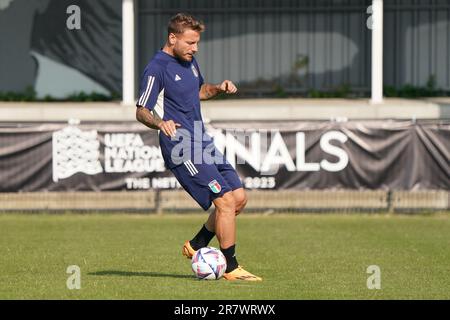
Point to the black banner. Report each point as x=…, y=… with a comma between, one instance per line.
x=375, y=154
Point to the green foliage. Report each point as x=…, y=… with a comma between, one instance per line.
x=343, y=91
x=279, y=92
x=410, y=91
x=29, y=94
x=301, y=62
x=272, y=90
x=431, y=83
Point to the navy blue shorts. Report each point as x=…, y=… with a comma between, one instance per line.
x=206, y=182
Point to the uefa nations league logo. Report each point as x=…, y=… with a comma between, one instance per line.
x=75, y=151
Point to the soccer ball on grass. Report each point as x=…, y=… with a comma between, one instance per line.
x=209, y=263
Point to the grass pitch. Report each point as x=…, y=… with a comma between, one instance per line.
x=299, y=257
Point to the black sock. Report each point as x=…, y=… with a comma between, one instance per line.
x=202, y=238
x=230, y=256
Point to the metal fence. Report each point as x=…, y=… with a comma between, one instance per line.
x=263, y=202
x=295, y=46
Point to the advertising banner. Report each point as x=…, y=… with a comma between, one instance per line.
x=302, y=155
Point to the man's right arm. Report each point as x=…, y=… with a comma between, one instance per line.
x=144, y=116
x=153, y=121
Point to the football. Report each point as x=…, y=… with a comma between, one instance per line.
x=209, y=263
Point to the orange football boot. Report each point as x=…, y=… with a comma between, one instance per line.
x=187, y=250
x=240, y=274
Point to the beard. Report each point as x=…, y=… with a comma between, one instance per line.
x=181, y=56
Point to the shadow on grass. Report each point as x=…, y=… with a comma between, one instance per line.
x=139, y=274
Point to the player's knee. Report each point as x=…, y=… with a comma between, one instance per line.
x=226, y=204
x=241, y=201
x=240, y=198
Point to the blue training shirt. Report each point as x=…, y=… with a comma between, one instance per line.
x=170, y=87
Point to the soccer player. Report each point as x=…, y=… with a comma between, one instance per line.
x=169, y=101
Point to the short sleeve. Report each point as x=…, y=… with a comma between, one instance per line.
x=201, y=81
x=150, y=87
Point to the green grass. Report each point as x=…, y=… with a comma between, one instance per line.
x=299, y=257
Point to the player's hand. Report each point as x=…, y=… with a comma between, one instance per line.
x=169, y=128
x=227, y=86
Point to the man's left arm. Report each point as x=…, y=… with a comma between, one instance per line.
x=208, y=90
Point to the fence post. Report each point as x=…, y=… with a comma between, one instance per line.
x=158, y=205
x=390, y=204
x=128, y=52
